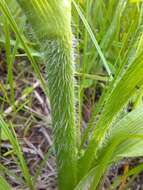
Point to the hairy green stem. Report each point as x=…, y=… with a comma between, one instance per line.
x=51, y=22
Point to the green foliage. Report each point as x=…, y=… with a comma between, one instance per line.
x=57, y=48
x=109, y=35
x=4, y=184
x=56, y=13
x=11, y=136
x=135, y=1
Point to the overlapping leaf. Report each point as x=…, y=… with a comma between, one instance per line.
x=125, y=139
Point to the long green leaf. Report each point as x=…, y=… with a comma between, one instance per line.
x=21, y=161
x=5, y=10
x=4, y=185
x=93, y=38
x=123, y=89
x=125, y=139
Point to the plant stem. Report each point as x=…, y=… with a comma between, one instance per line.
x=53, y=30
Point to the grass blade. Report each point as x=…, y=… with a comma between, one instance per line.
x=93, y=39
x=21, y=161
x=4, y=185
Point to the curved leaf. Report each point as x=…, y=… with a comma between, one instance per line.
x=123, y=88
x=125, y=139
x=3, y=184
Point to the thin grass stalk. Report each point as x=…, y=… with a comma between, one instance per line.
x=51, y=22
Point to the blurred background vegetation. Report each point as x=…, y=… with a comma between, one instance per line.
x=108, y=34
